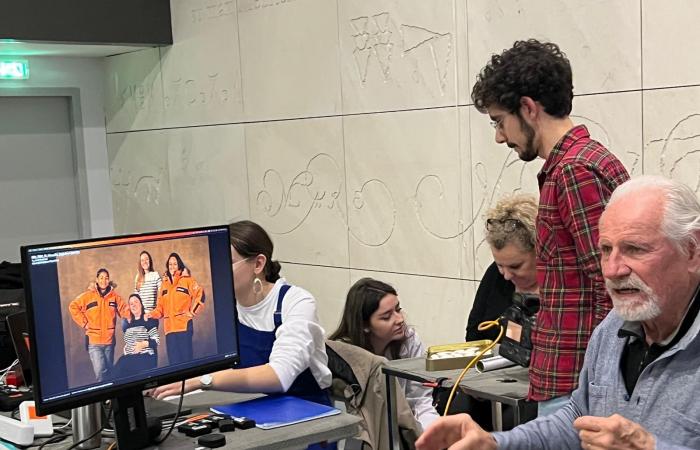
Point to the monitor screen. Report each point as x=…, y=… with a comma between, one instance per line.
x=118, y=314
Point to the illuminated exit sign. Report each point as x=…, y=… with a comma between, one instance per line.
x=15, y=69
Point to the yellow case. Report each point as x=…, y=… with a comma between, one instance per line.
x=454, y=363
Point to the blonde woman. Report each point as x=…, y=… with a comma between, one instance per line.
x=510, y=233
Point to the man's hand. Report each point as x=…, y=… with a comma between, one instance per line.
x=174, y=389
x=458, y=432
x=613, y=433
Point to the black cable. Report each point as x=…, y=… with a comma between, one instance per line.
x=177, y=415
x=53, y=440
x=99, y=430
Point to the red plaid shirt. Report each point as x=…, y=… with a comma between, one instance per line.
x=575, y=184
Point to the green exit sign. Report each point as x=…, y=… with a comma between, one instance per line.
x=14, y=69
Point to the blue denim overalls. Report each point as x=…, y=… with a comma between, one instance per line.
x=256, y=347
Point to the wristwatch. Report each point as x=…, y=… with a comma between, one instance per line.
x=206, y=382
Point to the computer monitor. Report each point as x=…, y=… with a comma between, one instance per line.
x=87, y=339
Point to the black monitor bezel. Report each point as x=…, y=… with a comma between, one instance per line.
x=98, y=395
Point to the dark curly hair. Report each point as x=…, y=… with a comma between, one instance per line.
x=539, y=70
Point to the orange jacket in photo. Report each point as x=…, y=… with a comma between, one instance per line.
x=98, y=315
x=178, y=301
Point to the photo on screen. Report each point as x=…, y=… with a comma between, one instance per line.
x=78, y=281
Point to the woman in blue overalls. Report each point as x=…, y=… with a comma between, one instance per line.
x=282, y=345
x=277, y=320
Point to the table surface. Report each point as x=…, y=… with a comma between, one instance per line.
x=297, y=436
x=509, y=385
x=332, y=428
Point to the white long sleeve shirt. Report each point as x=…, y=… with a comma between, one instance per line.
x=300, y=341
x=149, y=290
x=419, y=397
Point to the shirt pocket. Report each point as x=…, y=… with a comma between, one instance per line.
x=684, y=429
x=546, y=241
x=597, y=400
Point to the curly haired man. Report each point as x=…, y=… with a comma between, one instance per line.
x=527, y=92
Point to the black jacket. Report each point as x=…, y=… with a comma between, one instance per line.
x=494, y=295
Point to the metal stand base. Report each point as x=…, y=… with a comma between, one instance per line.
x=87, y=421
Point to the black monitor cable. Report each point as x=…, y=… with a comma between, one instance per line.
x=177, y=415
x=98, y=431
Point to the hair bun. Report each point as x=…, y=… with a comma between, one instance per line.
x=273, y=272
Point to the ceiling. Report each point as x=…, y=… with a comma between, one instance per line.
x=15, y=48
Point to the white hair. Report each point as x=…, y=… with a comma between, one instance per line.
x=681, y=214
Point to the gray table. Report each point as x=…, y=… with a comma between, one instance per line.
x=298, y=436
x=504, y=386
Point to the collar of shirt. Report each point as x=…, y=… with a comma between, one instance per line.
x=573, y=135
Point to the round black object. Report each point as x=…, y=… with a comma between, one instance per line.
x=212, y=440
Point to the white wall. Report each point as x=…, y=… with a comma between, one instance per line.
x=87, y=75
x=345, y=128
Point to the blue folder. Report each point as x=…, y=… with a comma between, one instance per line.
x=276, y=411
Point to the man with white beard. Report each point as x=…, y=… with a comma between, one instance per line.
x=642, y=366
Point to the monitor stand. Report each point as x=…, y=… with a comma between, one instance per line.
x=130, y=424
x=87, y=421
x=160, y=409
x=135, y=417
x=130, y=411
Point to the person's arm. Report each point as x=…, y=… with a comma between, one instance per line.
x=153, y=336
x=478, y=307
x=298, y=338
x=77, y=311
x=122, y=308
x=556, y=431
x=493, y=294
x=252, y=379
x=419, y=397
x=157, y=311
x=582, y=196
x=129, y=343
x=197, y=294
x=552, y=432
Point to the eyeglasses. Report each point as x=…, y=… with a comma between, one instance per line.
x=498, y=123
x=240, y=261
x=507, y=225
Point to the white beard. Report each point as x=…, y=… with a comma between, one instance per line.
x=644, y=307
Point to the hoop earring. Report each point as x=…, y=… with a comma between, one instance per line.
x=257, y=286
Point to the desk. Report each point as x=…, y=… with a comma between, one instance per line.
x=488, y=385
x=298, y=436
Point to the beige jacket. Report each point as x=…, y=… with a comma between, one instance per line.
x=359, y=382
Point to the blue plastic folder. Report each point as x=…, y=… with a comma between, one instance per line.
x=276, y=411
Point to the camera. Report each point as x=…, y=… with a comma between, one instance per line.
x=518, y=321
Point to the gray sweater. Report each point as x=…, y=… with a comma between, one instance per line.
x=665, y=399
